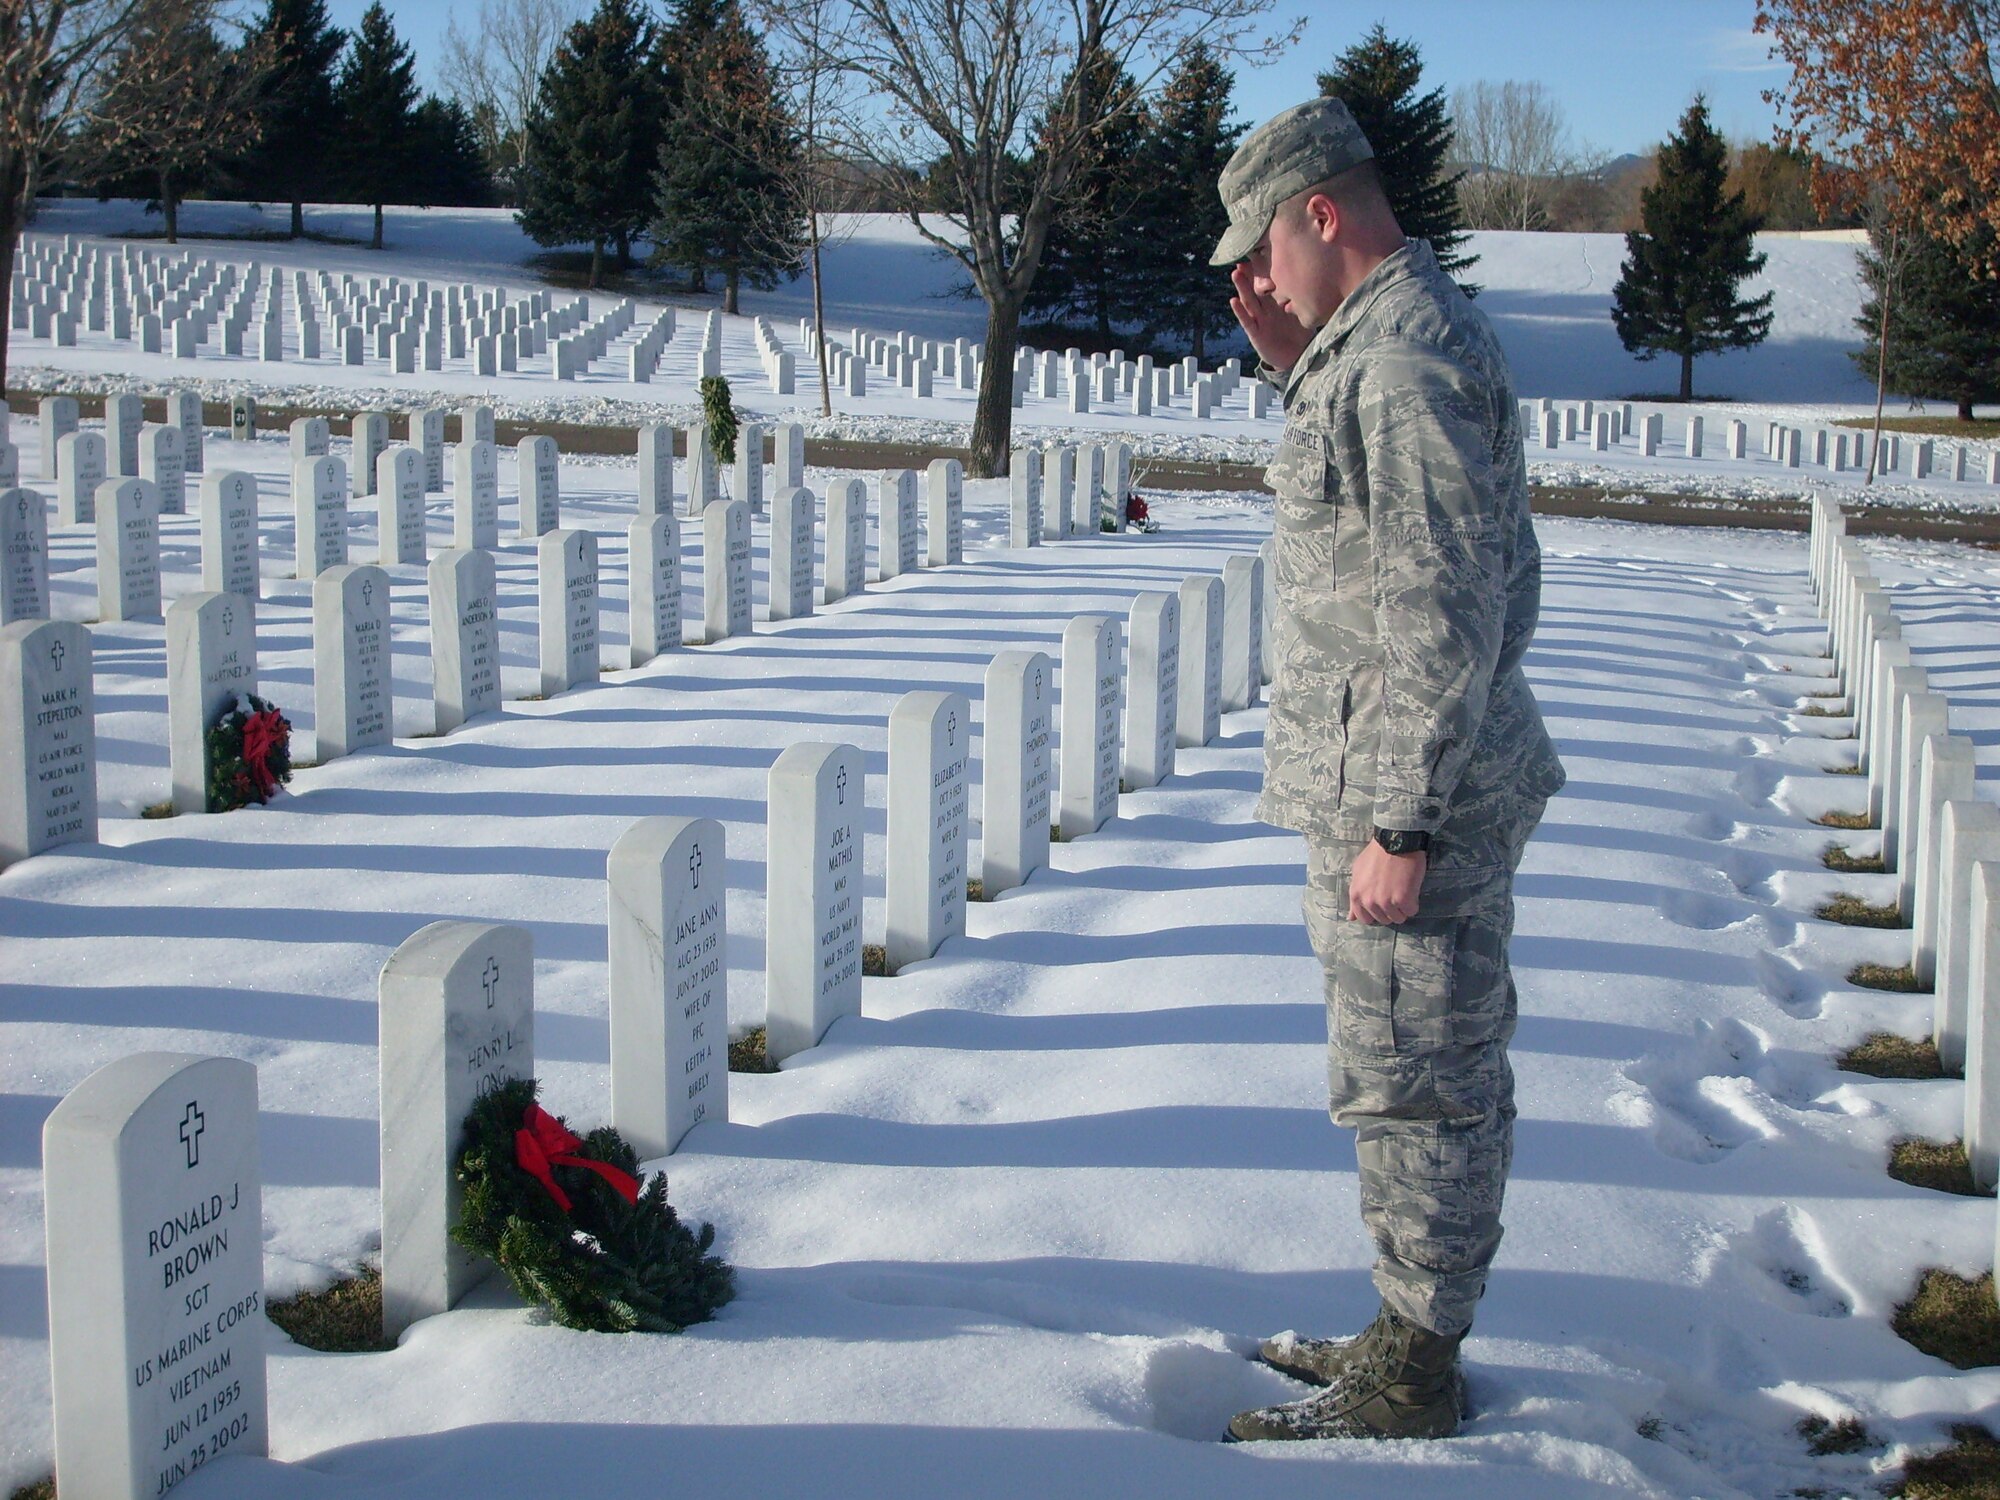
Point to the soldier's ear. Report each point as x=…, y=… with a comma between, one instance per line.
x=1323, y=217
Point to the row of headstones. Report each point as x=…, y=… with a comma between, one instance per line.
x=1940, y=838
x=1066, y=491
x=1834, y=449
x=50, y=797
x=1109, y=378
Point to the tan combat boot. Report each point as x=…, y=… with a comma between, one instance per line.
x=1323, y=1361
x=1404, y=1384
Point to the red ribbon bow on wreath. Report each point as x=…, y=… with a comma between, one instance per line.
x=543, y=1142
x=261, y=735
x=1135, y=509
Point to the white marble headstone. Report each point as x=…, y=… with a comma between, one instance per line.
x=128, y=550
x=1058, y=492
x=791, y=554
x=788, y=456
x=24, y=573
x=312, y=437
x=813, y=894
x=457, y=1020
x=319, y=509
x=944, y=513
x=475, y=496
x=48, y=738
x=1152, y=693
x=426, y=432
x=656, y=469
x=1201, y=660
x=80, y=457
x=1242, y=632
x=725, y=570
x=930, y=760
x=1024, y=499
x=353, y=694
x=59, y=418
x=475, y=424
x=1089, y=738
x=748, y=470
x=1017, y=780
x=846, y=539
x=655, y=583
x=701, y=475
x=161, y=462
x=540, y=504
x=399, y=506
x=211, y=658
x=668, y=949
x=566, y=571
x=229, y=534
x=370, y=430
x=465, y=636
x=124, y=415
x=154, y=1216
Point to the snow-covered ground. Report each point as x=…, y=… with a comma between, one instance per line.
x=1016, y=1228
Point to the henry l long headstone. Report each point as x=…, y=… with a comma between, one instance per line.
x=457, y=1008
x=229, y=534
x=465, y=636
x=128, y=550
x=155, y=1224
x=319, y=513
x=1089, y=791
x=354, y=701
x=540, y=504
x=930, y=739
x=475, y=496
x=655, y=585
x=846, y=539
x=566, y=569
x=1152, y=702
x=669, y=977
x=1016, y=784
x=791, y=555
x=24, y=574
x=48, y=738
x=813, y=889
x=211, y=658
x=944, y=513
x=725, y=570
x=1201, y=660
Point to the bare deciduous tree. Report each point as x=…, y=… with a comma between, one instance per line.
x=495, y=71
x=971, y=86
x=1515, y=149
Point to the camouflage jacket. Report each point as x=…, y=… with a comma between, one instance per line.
x=1408, y=581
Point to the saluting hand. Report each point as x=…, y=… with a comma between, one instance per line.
x=1277, y=336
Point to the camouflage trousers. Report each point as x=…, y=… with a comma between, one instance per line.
x=1418, y=1020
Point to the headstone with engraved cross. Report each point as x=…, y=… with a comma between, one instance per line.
x=1152, y=693
x=930, y=758
x=944, y=513
x=319, y=511
x=1242, y=632
x=475, y=496
x=656, y=469
x=81, y=459
x=128, y=550
x=669, y=975
x=465, y=638
x=161, y=462
x=211, y=659
x=353, y=697
x=566, y=570
x=1201, y=660
x=399, y=506
x=655, y=586
x=229, y=561
x=154, y=1212
x=48, y=738
x=813, y=894
x=725, y=570
x=457, y=1007
x=24, y=571
x=1089, y=739
x=1017, y=781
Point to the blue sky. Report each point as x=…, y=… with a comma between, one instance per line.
x=1622, y=73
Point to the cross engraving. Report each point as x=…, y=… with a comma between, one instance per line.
x=56, y=651
x=840, y=786
x=228, y=620
x=192, y=1125
x=951, y=726
x=694, y=868
x=490, y=981
x=367, y=593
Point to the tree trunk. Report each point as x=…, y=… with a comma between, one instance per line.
x=1882, y=357
x=1687, y=377
x=1200, y=350
x=819, y=320
x=596, y=261
x=729, y=290
x=698, y=278
x=376, y=244
x=13, y=202
x=993, y=415
x=298, y=218
x=170, y=207
x=624, y=250
x=1964, y=410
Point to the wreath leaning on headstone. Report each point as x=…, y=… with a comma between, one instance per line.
x=569, y=1222
x=718, y=416
x=249, y=753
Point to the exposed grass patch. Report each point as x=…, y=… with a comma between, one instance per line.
x=346, y=1318
x=1838, y=819
x=1968, y=1470
x=1851, y=910
x=158, y=809
x=1978, y=427
x=1816, y=711
x=1899, y=978
x=41, y=1489
x=1848, y=1435
x=1941, y=1166
x=1883, y=1054
x=747, y=1054
x=874, y=961
x=1651, y=1427
x=1843, y=770
x=1840, y=858
x=975, y=889
x=1952, y=1318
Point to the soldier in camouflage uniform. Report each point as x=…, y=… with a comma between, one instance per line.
x=1403, y=739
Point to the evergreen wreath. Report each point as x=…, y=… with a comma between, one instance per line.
x=718, y=415
x=568, y=1222
x=249, y=753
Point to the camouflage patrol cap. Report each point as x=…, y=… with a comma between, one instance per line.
x=1306, y=144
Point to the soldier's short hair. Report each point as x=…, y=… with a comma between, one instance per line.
x=1360, y=184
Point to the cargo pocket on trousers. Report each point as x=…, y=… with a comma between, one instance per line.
x=1392, y=988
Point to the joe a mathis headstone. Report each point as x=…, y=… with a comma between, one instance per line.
x=669, y=979
x=457, y=1009
x=154, y=1215
x=24, y=576
x=211, y=659
x=48, y=738
x=566, y=571
x=654, y=582
x=930, y=758
x=353, y=696
x=1152, y=693
x=813, y=890
x=1017, y=782
x=1090, y=681
x=465, y=636
x=725, y=570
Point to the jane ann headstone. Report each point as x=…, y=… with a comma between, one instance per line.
x=1017, y=780
x=540, y=496
x=930, y=759
x=229, y=562
x=1153, y=689
x=1089, y=792
x=211, y=658
x=846, y=539
x=154, y=1214
x=48, y=738
x=457, y=1020
x=655, y=584
x=465, y=636
x=566, y=570
x=725, y=570
x=24, y=574
x=667, y=940
x=353, y=696
x=813, y=894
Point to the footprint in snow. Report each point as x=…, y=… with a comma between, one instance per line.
x=1703, y=1100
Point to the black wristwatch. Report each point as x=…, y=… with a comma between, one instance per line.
x=1402, y=841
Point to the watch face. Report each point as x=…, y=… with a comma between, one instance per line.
x=1401, y=841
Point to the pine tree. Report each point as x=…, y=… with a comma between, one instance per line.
x=1088, y=258
x=451, y=168
x=592, y=136
x=1172, y=287
x=726, y=143
x=1376, y=79
x=376, y=97
x=291, y=163
x=1944, y=324
x=1677, y=292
